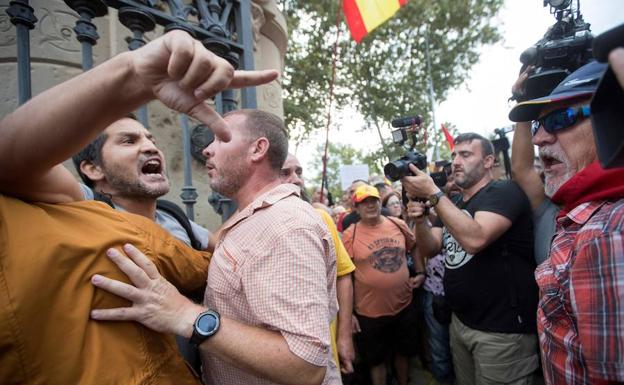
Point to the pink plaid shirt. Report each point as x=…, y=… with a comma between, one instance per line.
x=275, y=267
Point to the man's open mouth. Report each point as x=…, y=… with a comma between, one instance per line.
x=152, y=167
x=548, y=160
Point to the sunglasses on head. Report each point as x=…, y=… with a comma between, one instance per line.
x=560, y=119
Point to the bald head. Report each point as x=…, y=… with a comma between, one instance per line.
x=292, y=171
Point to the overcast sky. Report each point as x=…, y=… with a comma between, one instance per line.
x=480, y=105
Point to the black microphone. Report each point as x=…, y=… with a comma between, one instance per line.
x=407, y=121
x=607, y=41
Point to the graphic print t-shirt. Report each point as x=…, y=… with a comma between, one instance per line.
x=381, y=284
x=494, y=290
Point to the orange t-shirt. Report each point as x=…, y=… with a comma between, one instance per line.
x=381, y=285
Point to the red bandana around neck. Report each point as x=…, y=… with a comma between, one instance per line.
x=590, y=184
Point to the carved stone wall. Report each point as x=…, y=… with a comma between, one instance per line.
x=56, y=57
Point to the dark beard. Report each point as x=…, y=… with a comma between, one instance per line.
x=135, y=190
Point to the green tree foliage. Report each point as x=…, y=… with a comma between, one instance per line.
x=384, y=76
x=338, y=155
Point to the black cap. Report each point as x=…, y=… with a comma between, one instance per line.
x=582, y=82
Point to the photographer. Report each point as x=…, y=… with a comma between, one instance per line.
x=488, y=280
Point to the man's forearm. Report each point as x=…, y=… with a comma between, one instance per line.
x=522, y=168
x=427, y=244
x=260, y=352
x=344, y=290
x=473, y=234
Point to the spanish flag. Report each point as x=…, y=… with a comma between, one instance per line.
x=449, y=138
x=365, y=15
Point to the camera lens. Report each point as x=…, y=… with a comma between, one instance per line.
x=393, y=170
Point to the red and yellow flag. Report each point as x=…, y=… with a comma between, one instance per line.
x=365, y=15
x=449, y=138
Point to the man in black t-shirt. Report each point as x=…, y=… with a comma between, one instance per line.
x=488, y=279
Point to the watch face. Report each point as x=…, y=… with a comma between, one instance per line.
x=206, y=324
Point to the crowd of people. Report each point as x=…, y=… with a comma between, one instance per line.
x=487, y=280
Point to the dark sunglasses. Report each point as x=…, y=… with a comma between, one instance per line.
x=560, y=119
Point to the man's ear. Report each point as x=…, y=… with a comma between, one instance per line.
x=92, y=171
x=259, y=149
x=488, y=162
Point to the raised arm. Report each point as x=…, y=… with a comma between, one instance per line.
x=523, y=153
x=57, y=123
x=522, y=168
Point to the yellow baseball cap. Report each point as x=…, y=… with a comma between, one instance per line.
x=364, y=192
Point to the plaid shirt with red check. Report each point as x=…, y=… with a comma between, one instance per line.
x=274, y=267
x=581, y=310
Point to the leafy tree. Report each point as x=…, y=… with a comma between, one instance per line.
x=386, y=75
x=338, y=156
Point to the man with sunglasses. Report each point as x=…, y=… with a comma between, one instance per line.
x=581, y=308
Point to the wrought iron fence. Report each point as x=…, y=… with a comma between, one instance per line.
x=223, y=26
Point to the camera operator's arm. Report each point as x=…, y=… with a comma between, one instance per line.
x=472, y=234
x=522, y=168
x=523, y=153
x=428, y=239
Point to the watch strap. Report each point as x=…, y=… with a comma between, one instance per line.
x=435, y=198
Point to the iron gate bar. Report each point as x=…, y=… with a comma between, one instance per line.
x=86, y=31
x=164, y=19
x=189, y=192
x=138, y=22
x=245, y=37
x=23, y=18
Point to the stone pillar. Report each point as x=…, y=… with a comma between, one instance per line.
x=56, y=57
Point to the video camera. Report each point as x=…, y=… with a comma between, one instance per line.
x=606, y=106
x=566, y=46
x=399, y=168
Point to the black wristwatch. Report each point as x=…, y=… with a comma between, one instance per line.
x=206, y=324
x=435, y=198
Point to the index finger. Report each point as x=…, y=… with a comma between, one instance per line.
x=252, y=78
x=414, y=169
x=211, y=118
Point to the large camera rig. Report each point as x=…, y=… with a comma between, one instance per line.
x=399, y=168
x=566, y=46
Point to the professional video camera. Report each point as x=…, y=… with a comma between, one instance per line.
x=566, y=46
x=606, y=106
x=406, y=130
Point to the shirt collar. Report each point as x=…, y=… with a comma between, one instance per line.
x=581, y=213
x=266, y=199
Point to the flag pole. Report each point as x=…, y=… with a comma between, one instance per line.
x=329, y=105
x=430, y=80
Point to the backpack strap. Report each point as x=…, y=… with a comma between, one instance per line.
x=175, y=211
x=98, y=196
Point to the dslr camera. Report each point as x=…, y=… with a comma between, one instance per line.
x=397, y=169
x=566, y=46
